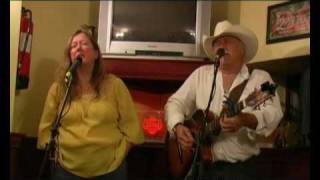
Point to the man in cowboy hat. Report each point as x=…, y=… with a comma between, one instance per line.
x=233, y=150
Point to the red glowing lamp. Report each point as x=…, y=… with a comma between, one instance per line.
x=152, y=126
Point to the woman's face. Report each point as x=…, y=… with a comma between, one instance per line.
x=81, y=46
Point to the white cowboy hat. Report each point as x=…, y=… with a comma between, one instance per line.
x=225, y=28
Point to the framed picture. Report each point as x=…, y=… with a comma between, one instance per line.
x=288, y=21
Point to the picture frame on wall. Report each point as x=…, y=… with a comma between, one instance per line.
x=288, y=21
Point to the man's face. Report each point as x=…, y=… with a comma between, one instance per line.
x=234, y=49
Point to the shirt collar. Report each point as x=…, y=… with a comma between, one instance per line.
x=242, y=75
x=244, y=72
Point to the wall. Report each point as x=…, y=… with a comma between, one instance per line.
x=222, y=10
x=253, y=14
x=53, y=22
x=15, y=14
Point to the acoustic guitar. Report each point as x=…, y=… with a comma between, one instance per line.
x=180, y=160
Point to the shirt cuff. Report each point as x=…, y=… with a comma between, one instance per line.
x=172, y=122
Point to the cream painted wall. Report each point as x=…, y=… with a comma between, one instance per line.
x=222, y=10
x=253, y=14
x=54, y=22
x=15, y=13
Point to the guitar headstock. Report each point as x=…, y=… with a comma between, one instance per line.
x=257, y=97
x=268, y=87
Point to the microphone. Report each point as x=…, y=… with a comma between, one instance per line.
x=220, y=52
x=73, y=68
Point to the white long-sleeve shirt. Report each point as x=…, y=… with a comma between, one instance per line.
x=194, y=94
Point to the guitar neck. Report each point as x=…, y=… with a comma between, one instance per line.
x=215, y=125
x=246, y=102
x=240, y=105
x=254, y=100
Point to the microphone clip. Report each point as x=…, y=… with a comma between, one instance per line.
x=72, y=69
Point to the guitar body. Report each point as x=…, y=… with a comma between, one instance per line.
x=178, y=167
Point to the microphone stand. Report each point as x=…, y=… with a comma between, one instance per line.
x=196, y=166
x=50, y=148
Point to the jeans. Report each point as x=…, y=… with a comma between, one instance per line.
x=119, y=174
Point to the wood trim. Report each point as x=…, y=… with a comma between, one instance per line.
x=16, y=139
x=25, y=158
x=145, y=69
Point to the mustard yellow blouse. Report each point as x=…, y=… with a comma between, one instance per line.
x=95, y=131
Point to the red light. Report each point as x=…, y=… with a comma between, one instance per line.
x=152, y=126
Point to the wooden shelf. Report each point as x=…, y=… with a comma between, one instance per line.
x=146, y=69
x=179, y=70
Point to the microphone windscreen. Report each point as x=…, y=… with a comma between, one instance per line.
x=221, y=52
x=79, y=60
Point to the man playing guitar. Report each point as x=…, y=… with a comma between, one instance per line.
x=233, y=150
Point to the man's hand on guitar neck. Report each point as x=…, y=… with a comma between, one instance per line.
x=184, y=136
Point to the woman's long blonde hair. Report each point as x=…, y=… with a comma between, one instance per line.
x=98, y=69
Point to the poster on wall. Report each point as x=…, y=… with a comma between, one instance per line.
x=24, y=56
x=288, y=21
